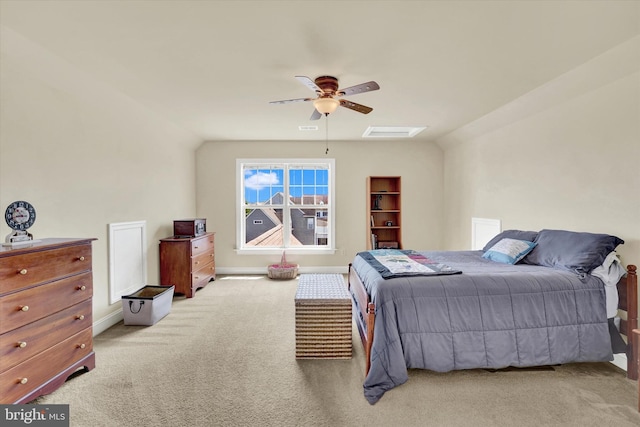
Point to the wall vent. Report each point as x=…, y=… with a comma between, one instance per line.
x=392, y=131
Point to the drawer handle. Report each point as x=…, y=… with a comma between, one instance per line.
x=81, y=345
x=22, y=344
x=196, y=277
x=23, y=380
x=81, y=288
x=23, y=271
x=196, y=247
x=24, y=308
x=80, y=317
x=81, y=258
x=197, y=262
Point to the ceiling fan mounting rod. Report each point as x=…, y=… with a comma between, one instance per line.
x=328, y=84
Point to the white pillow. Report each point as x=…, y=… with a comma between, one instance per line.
x=610, y=272
x=509, y=251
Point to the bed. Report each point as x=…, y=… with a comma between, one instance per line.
x=563, y=299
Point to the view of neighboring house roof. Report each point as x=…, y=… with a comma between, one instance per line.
x=264, y=224
x=271, y=214
x=310, y=199
x=273, y=237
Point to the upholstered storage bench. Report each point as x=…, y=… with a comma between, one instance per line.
x=323, y=317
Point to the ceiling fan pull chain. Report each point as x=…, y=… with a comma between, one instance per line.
x=326, y=137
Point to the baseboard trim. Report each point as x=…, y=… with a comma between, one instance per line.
x=620, y=360
x=263, y=270
x=106, y=322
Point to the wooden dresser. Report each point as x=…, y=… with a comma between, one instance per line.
x=188, y=263
x=46, y=320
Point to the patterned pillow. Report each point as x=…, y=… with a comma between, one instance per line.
x=509, y=251
x=529, y=236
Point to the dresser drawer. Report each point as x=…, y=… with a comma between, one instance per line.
x=18, y=272
x=32, y=304
x=199, y=261
x=201, y=277
x=23, y=343
x=32, y=373
x=202, y=244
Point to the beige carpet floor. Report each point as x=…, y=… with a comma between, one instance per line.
x=227, y=358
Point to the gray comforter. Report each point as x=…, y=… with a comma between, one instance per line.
x=491, y=316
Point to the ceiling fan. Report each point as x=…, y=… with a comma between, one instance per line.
x=326, y=89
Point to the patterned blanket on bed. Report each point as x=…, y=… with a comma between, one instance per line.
x=392, y=263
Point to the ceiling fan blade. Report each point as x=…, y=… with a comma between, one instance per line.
x=287, y=101
x=310, y=84
x=316, y=115
x=361, y=88
x=356, y=107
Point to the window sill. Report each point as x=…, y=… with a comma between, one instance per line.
x=292, y=251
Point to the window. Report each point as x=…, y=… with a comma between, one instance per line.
x=285, y=205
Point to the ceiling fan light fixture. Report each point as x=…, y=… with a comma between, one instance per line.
x=326, y=105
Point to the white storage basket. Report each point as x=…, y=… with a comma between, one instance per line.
x=148, y=305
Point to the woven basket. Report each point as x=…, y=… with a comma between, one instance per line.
x=282, y=271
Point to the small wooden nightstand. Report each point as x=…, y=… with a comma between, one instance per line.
x=188, y=263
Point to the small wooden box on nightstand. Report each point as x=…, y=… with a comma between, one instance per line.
x=189, y=227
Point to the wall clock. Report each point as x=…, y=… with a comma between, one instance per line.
x=20, y=215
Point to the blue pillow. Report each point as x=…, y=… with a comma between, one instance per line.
x=509, y=251
x=571, y=250
x=529, y=236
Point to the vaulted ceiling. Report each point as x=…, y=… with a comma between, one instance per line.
x=213, y=66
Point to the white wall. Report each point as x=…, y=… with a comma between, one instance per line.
x=86, y=156
x=565, y=156
x=420, y=166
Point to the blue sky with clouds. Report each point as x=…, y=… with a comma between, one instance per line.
x=262, y=184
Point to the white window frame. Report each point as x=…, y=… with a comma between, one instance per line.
x=240, y=208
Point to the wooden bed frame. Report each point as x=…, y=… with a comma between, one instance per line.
x=364, y=316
